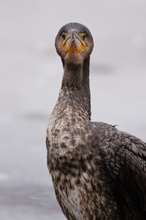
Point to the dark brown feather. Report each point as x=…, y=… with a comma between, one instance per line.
x=98, y=172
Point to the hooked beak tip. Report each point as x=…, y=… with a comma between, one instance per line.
x=72, y=36
x=73, y=43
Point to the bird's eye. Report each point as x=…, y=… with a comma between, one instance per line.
x=63, y=35
x=84, y=35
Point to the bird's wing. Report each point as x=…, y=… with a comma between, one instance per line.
x=125, y=158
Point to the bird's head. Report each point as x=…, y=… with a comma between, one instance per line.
x=74, y=43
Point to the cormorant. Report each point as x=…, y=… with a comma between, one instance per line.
x=98, y=172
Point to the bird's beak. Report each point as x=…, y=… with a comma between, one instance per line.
x=73, y=42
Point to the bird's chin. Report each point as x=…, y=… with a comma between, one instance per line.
x=74, y=58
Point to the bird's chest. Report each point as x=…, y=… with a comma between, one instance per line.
x=77, y=172
x=65, y=137
x=70, y=192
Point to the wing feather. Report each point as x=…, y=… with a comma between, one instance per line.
x=125, y=159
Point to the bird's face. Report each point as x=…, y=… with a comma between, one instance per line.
x=74, y=43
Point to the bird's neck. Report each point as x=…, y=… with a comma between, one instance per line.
x=72, y=78
x=76, y=81
x=86, y=83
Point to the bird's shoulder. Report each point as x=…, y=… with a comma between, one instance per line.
x=125, y=159
x=115, y=139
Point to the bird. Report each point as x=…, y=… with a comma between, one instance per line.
x=98, y=172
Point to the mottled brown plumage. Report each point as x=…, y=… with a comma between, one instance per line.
x=98, y=172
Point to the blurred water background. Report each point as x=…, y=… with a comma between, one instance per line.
x=30, y=79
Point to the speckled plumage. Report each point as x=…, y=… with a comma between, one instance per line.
x=98, y=172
